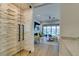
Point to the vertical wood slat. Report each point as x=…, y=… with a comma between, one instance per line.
x=8, y=29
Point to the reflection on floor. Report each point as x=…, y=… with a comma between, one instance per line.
x=42, y=49
x=23, y=53
x=46, y=50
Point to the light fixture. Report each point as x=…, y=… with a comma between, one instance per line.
x=49, y=17
x=53, y=17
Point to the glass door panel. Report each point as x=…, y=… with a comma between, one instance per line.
x=48, y=30
x=53, y=30
x=44, y=30
x=58, y=30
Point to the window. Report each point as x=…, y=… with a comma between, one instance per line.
x=51, y=30
x=58, y=30
x=44, y=30
x=48, y=30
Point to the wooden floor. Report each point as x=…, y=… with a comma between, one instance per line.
x=23, y=53
x=44, y=48
x=41, y=50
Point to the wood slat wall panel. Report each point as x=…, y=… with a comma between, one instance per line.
x=9, y=29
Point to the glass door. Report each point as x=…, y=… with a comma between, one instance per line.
x=53, y=30
x=48, y=30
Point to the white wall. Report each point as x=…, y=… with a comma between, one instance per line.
x=50, y=23
x=29, y=36
x=69, y=20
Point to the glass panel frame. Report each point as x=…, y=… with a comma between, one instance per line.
x=53, y=30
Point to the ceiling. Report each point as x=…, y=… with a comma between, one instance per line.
x=46, y=12
x=35, y=5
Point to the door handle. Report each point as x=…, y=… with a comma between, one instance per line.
x=19, y=32
x=22, y=32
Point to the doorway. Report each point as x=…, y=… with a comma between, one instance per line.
x=53, y=30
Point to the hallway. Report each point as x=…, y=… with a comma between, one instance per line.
x=44, y=48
